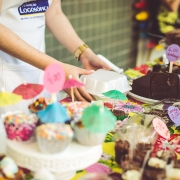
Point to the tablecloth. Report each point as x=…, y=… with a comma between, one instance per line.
x=107, y=162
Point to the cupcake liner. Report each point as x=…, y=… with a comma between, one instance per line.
x=20, y=126
x=52, y=146
x=19, y=133
x=88, y=138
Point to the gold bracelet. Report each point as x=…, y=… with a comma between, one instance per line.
x=79, y=51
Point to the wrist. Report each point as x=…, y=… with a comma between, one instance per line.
x=79, y=51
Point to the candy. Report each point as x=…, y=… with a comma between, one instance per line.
x=8, y=167
x=75, y=109
x=128, y=107
x=54, y=131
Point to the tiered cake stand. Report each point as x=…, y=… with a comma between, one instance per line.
x=63, y=165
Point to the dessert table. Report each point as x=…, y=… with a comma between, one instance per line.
x=107, y=163
x=76, y=160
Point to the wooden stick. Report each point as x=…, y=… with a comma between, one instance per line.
x=54, y=97
x=170, y=67
x=72, y=94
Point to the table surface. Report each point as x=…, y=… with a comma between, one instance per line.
x=107, y=161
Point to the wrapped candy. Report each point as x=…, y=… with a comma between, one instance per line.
x=132, y=143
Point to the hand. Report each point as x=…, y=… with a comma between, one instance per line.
x=80, y=94
x=172, y=5
x=173, y=37
x=91, y=61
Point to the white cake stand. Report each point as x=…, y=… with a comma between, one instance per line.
x=63, y=165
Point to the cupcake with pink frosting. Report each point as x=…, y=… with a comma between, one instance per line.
x=20, y=126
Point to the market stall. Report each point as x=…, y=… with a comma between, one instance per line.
x=131, y=130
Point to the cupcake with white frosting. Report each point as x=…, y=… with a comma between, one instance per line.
x=53, y=138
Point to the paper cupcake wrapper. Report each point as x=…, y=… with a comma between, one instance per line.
x=52, y=146
x=88, y=138
x=20, y=133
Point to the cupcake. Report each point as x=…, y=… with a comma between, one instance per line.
x=53, y=138
x=75, y=109
x=38, y=105
x=86, y=137
x=20, y=126
x=96, y=122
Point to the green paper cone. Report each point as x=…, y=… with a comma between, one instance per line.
x=98, y=119
x=115, y=94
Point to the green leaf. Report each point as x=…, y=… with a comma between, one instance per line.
x=171, y=130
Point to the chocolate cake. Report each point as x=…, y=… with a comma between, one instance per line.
x=121, y=149
x=154, y=169
x=128, y=164
x=157, y=86
x=140, y=152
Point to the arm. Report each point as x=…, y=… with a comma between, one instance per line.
x=15, y=46
x=60, y=27
x=0, y=5
x=63, y=31
x=172, y=5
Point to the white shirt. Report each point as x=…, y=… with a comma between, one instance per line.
x=26, y=18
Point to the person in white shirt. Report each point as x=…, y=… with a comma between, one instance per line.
x=22, y=35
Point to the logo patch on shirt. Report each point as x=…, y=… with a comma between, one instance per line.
x=33, y=7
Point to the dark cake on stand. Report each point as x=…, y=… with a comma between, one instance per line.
x=157, y=86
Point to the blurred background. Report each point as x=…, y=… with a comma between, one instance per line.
x=105, y=25
x=129, y=33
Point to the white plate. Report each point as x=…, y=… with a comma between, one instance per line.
x=142, y=99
